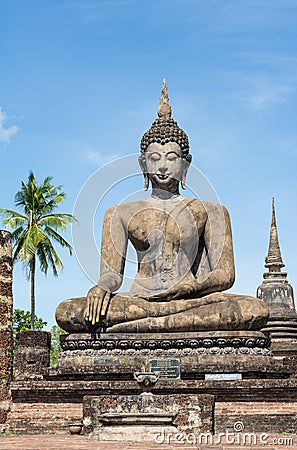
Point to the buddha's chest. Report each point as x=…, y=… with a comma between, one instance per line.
x=154, y=227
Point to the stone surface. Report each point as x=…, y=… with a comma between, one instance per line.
x=121, y=355
x=142, y=417
x=32, y=353
x=6, y=343
x=284, y=347
x=184, y=250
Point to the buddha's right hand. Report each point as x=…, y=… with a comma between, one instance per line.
x=97, y=304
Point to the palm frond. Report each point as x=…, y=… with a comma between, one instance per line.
x=19, y=197
x=50, y=257
x=57, y=221
x=58, y=238
x=30, y=239
x=17, y=248
x=42, y=257
x=10, y=213
x=12, y=219
x=16, y=233
x=51, y=204
x=28, y=248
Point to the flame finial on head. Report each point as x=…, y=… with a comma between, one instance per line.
x=164, y=108
x=164, y=129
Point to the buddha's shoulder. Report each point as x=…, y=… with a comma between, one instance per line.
x=209, y=208
x=200, y=207
x=126, y=209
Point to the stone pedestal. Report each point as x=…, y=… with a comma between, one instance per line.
x=146, y=416
x=181, y=355
x=6, y=343
x=32, y=354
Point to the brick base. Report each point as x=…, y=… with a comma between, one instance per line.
x=258, y=417
x=45, y=418
x=261, y=405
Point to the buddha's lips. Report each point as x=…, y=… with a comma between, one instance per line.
x=162, y=177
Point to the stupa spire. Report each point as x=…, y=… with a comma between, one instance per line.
x=164, y=108
x=276, y=291
x=274, y=260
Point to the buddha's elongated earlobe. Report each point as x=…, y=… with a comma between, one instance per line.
x=183, y=180
x=141, y=161
x=187, y=162
x=146, y=181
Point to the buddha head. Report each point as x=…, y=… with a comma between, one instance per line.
x=165, y=156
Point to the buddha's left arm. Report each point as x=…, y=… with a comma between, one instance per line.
x=219, y=249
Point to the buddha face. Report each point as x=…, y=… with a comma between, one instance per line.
x=164, y=165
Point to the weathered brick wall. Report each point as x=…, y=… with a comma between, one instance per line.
x=265, y=406
x=44, y=418
x=260, y=417
x=32, y=353
x=5, y=323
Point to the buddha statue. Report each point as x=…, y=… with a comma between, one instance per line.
x=184, y=251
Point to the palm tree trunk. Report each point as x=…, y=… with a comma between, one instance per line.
x=32, y=273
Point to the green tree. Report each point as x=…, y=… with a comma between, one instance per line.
x=21, y=321
x=56, y=332
x=36, y=228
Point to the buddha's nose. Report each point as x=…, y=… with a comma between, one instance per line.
x=162, y=170
x=162, y=166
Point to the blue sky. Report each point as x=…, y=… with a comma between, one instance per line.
x=80, y=82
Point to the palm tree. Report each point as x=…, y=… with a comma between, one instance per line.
x=36, y=227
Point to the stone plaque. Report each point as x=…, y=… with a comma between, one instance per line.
x=223, y=376
x=167, y=368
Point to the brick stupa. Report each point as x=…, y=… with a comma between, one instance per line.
x=277, y=292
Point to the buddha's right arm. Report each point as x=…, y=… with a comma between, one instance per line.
x=113, y=250
x=113, y=255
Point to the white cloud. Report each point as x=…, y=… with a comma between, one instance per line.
x=271, y=95
x=93, y=157
x=96, y=158
x=7, y=132
x=262, y=92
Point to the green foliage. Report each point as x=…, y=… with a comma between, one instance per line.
x=36, y=227
x=21, y=321
x=55, y=344
x=33, y=229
